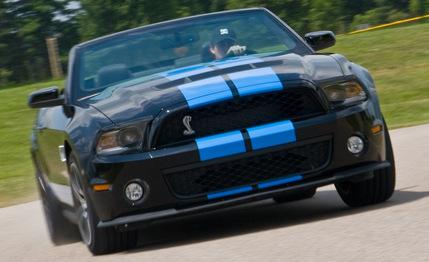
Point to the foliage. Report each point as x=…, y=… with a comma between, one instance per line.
x=417, y=7
x=4, y=76
x=377, y=16
x=24, y=26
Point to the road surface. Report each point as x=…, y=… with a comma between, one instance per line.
x=318, y=229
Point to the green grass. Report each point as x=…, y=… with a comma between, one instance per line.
x=398, y=58
x=16, y=120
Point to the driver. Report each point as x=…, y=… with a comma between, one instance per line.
x=224, y=44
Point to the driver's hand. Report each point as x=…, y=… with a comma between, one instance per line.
x=236, y=50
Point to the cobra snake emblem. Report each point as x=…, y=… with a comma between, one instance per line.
x=187, y=123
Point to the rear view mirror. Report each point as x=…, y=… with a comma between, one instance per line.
x=320, y=40
x=46, y=97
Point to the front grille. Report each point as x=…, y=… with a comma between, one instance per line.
x=247, y=171
x=243, y=112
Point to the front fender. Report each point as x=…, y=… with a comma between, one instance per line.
x=82, y=132
x=364, y=76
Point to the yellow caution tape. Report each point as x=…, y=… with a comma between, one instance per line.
x=390, y=24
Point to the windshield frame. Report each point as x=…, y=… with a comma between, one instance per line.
x=72, y=87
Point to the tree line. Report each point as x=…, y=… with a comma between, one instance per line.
x=25, y=24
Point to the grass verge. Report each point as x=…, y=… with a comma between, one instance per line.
x=398, y=59
x=16, y=171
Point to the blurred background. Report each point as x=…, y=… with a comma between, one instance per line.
x=396, y=54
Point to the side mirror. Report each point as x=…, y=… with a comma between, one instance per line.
x=46, y=97
x=320, y=40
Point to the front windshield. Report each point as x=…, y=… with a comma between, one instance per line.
x=146, y=54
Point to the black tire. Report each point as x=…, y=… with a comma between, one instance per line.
x=61, y=231
x=308, y=193
x=98, y=240
x=375, y=190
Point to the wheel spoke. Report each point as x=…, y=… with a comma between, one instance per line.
x=84, y=222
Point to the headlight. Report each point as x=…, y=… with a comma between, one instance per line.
x=121, y=140
x=345, y=93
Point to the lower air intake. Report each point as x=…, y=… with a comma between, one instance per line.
x=248, y=171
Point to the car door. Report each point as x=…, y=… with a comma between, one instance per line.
x=50, y=135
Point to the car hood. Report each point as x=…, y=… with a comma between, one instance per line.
x=199, y=84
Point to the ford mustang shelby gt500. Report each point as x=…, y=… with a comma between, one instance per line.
x=201, y=113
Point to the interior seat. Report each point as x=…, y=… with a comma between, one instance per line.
x=112, y=73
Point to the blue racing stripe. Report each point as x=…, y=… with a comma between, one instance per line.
x=206, y=91
x=229, y=192
x=279, y=181
x=236, y=61
x=186, y=71
x=220, y=145
x=272, y=134
x=255, y=81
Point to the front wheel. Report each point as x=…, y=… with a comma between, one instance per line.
x=61, y=231
x=98, y=240
x=375, y=190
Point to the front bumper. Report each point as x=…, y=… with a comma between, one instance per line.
x=353, y=174
x=114, y=209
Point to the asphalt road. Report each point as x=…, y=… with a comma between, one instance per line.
x=318, y=229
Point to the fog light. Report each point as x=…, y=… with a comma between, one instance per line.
x=134, y=191
x=355, y=144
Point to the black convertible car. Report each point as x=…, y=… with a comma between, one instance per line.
x=201, y=113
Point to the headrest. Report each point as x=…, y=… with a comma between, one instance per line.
x=112, y=73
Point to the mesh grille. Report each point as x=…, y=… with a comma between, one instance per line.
x=240, y=113
x=245, y=171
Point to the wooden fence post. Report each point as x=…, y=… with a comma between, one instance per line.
x=54, y=59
